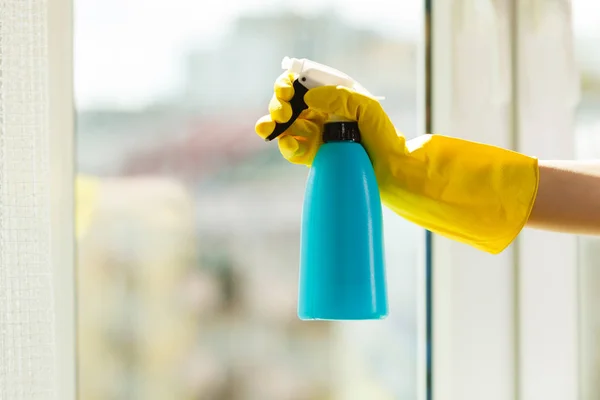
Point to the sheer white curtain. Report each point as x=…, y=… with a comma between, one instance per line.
x=27, y=340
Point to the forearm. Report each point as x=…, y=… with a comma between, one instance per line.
x=568, y=198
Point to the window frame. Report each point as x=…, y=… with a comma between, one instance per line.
x=62, y=176
x=463, y=278
x=509, y=358
x=548, y=317
x=460, y=275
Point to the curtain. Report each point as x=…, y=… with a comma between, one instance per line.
x=27, y=369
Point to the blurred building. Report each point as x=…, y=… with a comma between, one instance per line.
x=188, y=269
x=187, y=297
x=137, y=323
x=227, y=87
x=250, y=57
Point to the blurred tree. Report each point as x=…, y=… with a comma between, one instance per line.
x=86, y=193
x=590, y=82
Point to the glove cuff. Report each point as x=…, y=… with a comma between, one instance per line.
x=470, y=192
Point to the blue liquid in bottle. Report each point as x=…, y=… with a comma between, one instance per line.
x=342, y=265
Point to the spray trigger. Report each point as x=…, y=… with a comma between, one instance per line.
x=311, y=75
x=298, y=105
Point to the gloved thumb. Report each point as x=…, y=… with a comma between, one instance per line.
x=337, y=100
x=377, y=129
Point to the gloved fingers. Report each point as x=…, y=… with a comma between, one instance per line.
x=298, y=150
x=300, y=145
x=373, y=122
x=280, y=110
x=305, y=134
x=314, y=116
x=266, y=124
x=341, y=101
x=307, y=129
x=283, y=88
x=290, y=147
x=279, y=106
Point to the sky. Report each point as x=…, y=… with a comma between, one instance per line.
x=128, y=51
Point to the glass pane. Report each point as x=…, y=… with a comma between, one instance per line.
x=188, y=223
x=586, y=25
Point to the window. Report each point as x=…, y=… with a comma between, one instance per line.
x=188, y=223
x=586, y=25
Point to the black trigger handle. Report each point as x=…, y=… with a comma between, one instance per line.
x=298, y=105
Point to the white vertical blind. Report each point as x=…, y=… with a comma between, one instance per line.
x=505, y=327
x=62, y=171
x=27, y=346
x=548, y=92
x=474, y=306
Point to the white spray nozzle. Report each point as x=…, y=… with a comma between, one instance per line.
x=292, y=64
x=312, y=74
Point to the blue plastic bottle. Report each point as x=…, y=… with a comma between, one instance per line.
x=342, y=262
x=342, y=273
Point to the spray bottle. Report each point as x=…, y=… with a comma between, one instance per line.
x=342, y=263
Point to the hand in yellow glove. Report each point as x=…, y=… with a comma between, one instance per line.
x=470, y=192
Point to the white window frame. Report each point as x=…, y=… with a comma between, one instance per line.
x=62, y=168
x=548, y=323
x=505, y=327
x=503, y=357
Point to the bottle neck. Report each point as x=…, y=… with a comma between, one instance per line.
x=341, y=131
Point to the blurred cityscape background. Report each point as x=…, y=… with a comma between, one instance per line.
x=188, y=264
x=187, y=258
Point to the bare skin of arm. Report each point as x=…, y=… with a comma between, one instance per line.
x=568, y=198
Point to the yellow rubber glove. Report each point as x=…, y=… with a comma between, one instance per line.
x=470, y=192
